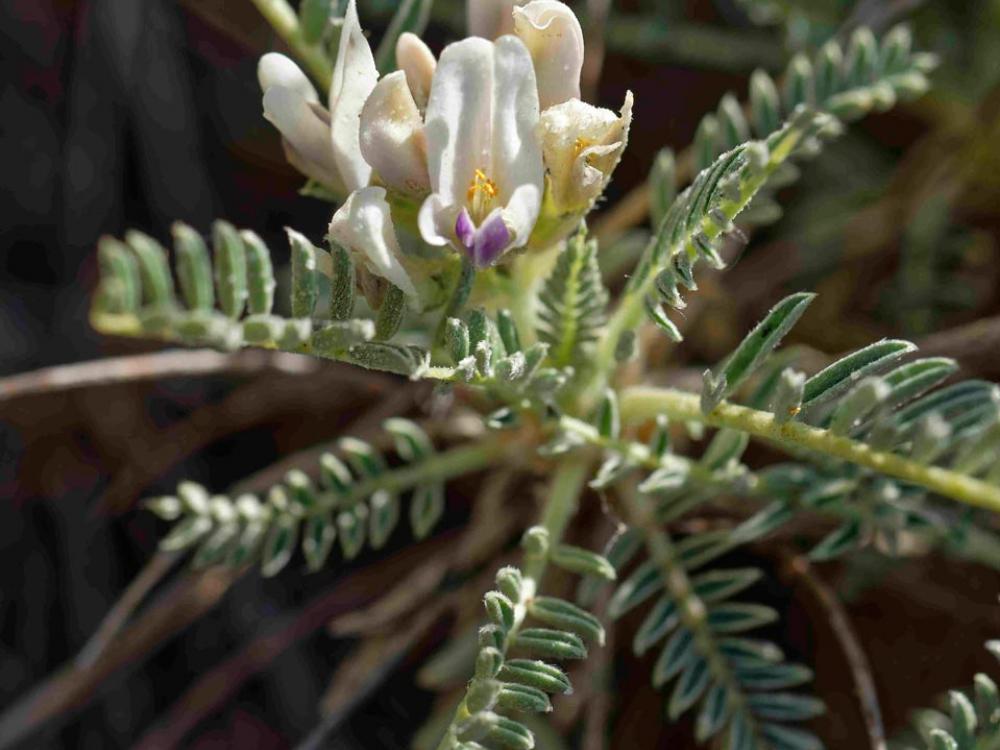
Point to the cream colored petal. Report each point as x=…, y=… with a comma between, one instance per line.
x=458, y=123
x=354, y=77
x=305, y=130
x=516, y=150
x=392, y=136
x=363, y=225
x=417, y=61
x=552, y=34
x=275, y=69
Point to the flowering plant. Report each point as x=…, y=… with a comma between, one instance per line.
x=461, y=183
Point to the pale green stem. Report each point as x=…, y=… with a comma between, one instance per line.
x=285, y=22
x=560, y=505
x=642, y=402
x=631, y=310
x=975, y=544
x=455, y=462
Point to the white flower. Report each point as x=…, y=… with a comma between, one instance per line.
x=582, y=145
x=363, y=225
x=417, y=61
x=323, y=143
x=392, y=137
x=483, y=153
x=552, y=34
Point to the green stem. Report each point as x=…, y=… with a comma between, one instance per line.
x=974, y=544
x=560, y=506
x=631, y=307
x=642, y=402
x=445, y=465
x=459, y=296
x=285, y=22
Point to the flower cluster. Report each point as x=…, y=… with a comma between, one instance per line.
x=490, y=140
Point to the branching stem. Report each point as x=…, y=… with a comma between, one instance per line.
x=642, y=402
x=560, y=506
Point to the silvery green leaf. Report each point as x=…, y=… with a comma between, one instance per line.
x=656, y=314
x=230, y=269
x=507, y=328
x=500, y=609
x=390, y=314
x=644, y=582
x=832, y=382
x=765, y=106
x=351, y=528
x=762, y=340
x=689, y=688
x=343, y=288
x=383, y=517
x=363, y=458
x=582, y=561
x=426, y=507
x=676, y=655
x=186, y=533
x=334, y=474
x=963, y=719
x=509, y=582
x=318, y=536
x=523, y=698
x=713, y=714
x=547, y=643
x=248, y=543
x=563, y=615
x=216, y=546
x=845, y=537
x=716, y=585
x=260, y=275
x=784, y=706
x=772, y=677
x=658, y=623
x=279, y=545
x=537, y=674
x=157, y=283
x=194, y=268
x=118, y=262
x=736, y=617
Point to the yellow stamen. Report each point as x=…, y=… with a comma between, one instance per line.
x=580, y=144
x=482, y=191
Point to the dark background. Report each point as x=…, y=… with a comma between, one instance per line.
x=135, y=113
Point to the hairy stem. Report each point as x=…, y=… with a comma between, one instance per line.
x=642, y=402
x=464, y=459
x=560, y=506
x=285, y=22
x=631, y=307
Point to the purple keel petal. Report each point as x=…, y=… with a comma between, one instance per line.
x=465, y=230
x=492, y=238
